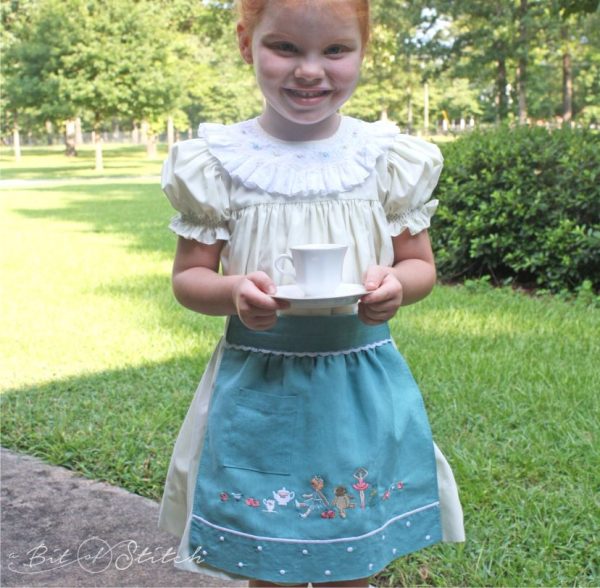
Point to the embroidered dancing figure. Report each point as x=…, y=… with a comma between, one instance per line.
x=314, y=500
x=360, y=474
x=317, y=484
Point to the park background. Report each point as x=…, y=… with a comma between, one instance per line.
x=100, y=363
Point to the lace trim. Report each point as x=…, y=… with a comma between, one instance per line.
x=305, y=168
x=309, y=353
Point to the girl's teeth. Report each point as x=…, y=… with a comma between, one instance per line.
x=308, y=94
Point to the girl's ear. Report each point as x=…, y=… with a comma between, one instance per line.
x=244, y=43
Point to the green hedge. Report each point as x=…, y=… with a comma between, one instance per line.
x=521, y=206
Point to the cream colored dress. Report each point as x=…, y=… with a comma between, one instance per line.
x=261, y=196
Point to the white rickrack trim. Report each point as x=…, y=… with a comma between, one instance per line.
x=318, y=541
x=309, y=353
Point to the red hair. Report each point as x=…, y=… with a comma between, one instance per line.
x=250, y=12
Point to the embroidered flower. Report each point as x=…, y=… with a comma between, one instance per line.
x=386, y=494
x=224, y=496
x=400, y=485
x=328, y=514
x=252, y=502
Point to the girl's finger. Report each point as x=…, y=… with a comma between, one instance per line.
x=372, y=318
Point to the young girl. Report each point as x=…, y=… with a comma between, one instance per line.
x=306, y=455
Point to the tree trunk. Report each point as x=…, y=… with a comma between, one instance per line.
x=501, y=102
x=426, y=108
x=97, y=138
x=567, y=72
x=170, y=132
x=70, y=138
x=78, y=133
x=151, y=150
x=49, y=132
x=522, y=66
x=567, y=88
x=16, y=138
x=522, y=92
x=144, y=132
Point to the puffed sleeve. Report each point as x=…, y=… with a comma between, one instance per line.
x=198, y=189
x=406, y=181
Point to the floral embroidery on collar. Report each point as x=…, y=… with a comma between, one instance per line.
x=305, y=168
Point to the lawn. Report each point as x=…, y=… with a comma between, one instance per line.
x=100, y=363
x=120, y=160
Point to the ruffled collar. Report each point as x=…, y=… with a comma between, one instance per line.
x=304, y=168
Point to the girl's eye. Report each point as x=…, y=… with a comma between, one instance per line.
x=335, y=50
x=284, y=47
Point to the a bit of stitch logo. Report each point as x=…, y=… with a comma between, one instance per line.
x=94, y=555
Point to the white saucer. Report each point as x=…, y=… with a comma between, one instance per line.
x=344, y=294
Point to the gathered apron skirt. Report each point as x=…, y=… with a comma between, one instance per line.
x=317, y=460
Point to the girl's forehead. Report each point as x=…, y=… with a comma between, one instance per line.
x=252, y=12
x=286, y=14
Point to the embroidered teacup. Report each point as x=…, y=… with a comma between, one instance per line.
x=317, y=267
x=270, y=504
x=283, y=496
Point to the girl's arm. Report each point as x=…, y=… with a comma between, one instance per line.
x=410, y=279
x=198, y=285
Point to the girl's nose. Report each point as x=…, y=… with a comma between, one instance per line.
x=309, y=69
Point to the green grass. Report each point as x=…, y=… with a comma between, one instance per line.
x=99, y=366
x=51, y=163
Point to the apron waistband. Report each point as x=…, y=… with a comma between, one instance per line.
x=308, y=334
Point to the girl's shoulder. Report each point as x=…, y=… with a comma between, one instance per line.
x=299, y=168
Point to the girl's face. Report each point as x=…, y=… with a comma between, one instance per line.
x=307, y=59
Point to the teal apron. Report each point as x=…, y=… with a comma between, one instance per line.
x=318, y=463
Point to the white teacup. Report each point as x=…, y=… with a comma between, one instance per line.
x=317, y=267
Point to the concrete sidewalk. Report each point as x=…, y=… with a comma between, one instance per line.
x=60, y=529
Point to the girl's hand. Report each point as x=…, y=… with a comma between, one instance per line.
x=253, y=303
x=384, y=297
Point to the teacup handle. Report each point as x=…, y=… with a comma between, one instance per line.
x=279, y=261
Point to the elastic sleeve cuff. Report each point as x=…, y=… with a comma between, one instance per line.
x=415, y=220
x=205, y=231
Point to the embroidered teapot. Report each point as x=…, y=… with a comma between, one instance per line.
x=283, y=496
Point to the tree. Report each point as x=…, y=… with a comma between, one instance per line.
x=569, y=12
x=95, y=59
x=24, y=58
x=392, y=72
x=509, y=50
x=122, y=65
x=217, y=85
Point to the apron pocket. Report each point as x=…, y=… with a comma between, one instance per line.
x=259, y=435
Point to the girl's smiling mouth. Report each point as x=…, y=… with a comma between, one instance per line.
x=306, y=94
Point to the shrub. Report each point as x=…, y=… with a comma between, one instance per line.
x=521, y=205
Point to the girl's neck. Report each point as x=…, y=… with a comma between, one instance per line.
x=285, y=130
